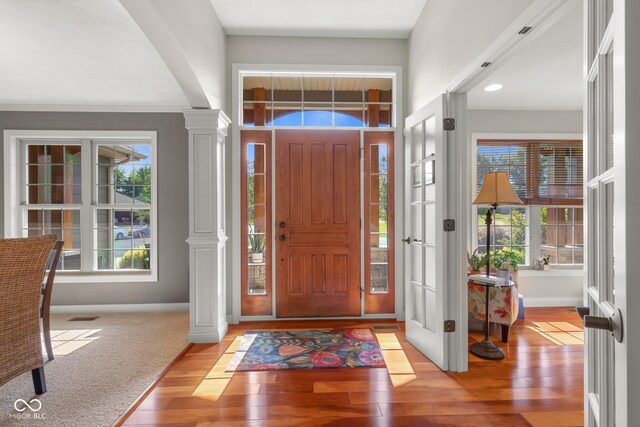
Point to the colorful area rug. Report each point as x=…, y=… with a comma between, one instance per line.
x=280, y=350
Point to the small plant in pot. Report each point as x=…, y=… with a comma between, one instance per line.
x=546, y=259
x=257, y=248
x=476, y=262
x=508, y=258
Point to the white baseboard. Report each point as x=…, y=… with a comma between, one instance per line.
x=552, y=302
x=121, y=308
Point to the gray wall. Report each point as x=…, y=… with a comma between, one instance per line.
x=173, y=226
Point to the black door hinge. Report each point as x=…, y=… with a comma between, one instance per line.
x=449, y=225
x=449, y=123
x=449, y=325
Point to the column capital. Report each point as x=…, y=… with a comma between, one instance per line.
x=203, y=118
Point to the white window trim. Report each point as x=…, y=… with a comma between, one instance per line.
x=535, y=225
x=14, y=197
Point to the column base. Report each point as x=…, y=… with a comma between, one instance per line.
x=211, y=335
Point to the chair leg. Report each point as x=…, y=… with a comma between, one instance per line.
x=39, y=383
x=46, y=331
x=505, y=333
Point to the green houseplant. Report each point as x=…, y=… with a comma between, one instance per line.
x=476, y=262
x=508, y=258
x=258, y=245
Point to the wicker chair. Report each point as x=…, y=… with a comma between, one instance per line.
x=22, y=267
x=47, y=290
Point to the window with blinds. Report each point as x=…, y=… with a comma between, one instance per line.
x=541, y=172
x=547, y=176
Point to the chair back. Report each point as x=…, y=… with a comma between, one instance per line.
x=22, y=267
x=52, y=266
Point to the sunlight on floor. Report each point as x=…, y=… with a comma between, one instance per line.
x=67, y=341
x=400, y=370
x=559, y=333
x=217, y=380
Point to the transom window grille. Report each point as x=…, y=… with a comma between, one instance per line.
x=324, y=101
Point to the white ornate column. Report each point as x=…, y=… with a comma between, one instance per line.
x=207, y=225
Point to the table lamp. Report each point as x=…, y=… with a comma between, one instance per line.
x=496, y=190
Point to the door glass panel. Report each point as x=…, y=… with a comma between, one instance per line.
x=379, y=263
x=417, y=144
x=608, y=257
x=608, y=98
x=430, y=309
x=418, y=303
x=257, y=215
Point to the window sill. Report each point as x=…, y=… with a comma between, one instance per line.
x=574, y=272
x=119, y=277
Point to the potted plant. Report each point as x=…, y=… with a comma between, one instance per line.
x=508, y=258
x=476, y=262
x=257, y=248
x=546, y=259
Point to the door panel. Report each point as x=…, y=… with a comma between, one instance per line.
x=426, y=204
x=317, y=223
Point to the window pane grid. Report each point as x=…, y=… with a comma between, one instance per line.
x=323, y=101
x=64, y=224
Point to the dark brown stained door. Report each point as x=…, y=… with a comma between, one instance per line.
x=317, y=223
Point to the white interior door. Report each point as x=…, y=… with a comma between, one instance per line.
x=605, y=391
x=425, y=246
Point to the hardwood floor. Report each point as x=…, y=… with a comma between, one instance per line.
x=539, y=383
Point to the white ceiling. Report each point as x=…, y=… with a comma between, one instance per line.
x=80, y=52
x=545, y=74
x=319, y=18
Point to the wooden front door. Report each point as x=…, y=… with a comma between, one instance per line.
x=317, y=223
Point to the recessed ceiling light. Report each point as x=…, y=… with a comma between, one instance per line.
x=494, y=87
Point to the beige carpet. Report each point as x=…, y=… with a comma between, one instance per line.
x=100, y=367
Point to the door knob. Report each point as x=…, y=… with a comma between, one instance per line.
x=282, y=237
x=282, y=224
x=612, y=324
x=407, y=240
x=417, y=241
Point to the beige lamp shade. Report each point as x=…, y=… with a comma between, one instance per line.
x=496, y=189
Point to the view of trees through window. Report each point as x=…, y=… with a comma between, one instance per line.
x=547, y=176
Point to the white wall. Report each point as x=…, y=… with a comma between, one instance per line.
x=540, y=288
x=447, y=36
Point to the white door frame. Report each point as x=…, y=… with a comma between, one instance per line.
x=234, y=274
x=540, y=15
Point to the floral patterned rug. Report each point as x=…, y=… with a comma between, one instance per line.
x=280, y=350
